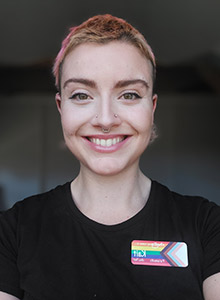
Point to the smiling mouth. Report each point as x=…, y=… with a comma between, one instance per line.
x=107, y=142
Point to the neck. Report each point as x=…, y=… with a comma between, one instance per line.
x=110, y=199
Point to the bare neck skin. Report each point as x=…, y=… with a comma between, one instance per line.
x=111, y=199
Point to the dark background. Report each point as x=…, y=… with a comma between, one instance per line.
x=185, y=38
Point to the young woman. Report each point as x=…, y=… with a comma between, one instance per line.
x=111, y=233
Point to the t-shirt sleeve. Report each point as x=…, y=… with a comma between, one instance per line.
x=210, y=218
x=9, y=274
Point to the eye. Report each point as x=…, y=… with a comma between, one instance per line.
x=80, y=96
x=130, y=96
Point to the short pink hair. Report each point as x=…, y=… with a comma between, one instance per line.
x=102, y=29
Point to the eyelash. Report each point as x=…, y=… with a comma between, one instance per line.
x=133, y=95
x=76, y=96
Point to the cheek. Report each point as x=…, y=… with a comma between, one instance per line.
x=141, y=118
x=67, y=125
x=70, y=121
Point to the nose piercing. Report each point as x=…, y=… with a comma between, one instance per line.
x=105, y=130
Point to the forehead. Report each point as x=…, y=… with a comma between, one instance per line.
x=116, y=59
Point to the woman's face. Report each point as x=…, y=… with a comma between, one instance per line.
x=106, y=86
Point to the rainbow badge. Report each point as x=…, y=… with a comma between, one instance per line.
x=158, y=253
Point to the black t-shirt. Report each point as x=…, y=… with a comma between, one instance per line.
x=50, y=251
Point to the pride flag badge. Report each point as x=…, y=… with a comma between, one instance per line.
x=158, y=253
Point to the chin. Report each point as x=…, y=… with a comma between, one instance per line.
x=107, y=167
x=107, y=172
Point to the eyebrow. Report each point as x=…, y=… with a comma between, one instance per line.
x=87, y=82
x=119, y=84
x=124, y=83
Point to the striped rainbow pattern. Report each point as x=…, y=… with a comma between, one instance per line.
x=158, y=253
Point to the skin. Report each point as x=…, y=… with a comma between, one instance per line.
x=211, y=287
x=90, y=97
x=135, y=117
x=5, y=296
x=105, y=177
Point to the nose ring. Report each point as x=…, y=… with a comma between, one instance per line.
x=105, y=130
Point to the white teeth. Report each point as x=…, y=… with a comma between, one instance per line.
x=106, y=143
x=102, y=142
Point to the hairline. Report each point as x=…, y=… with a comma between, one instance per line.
x=73, y=47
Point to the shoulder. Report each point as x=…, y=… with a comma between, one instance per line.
x=34, y=206
x=199, y=221
x=198, y=212
x=187, y=202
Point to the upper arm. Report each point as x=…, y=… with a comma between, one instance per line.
x=9, y=273
x=5, y=296
x=211, y=287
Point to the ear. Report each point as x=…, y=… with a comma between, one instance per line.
x=155, y=97
x=58, y=102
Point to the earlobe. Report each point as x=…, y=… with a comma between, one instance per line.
x=58, y=101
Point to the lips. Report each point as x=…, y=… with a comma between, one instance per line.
x=106, y=142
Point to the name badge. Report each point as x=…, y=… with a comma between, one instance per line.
x=158, y=253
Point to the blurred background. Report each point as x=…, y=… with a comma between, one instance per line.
x=185, y=37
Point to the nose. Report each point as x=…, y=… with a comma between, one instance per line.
x=106, y=115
